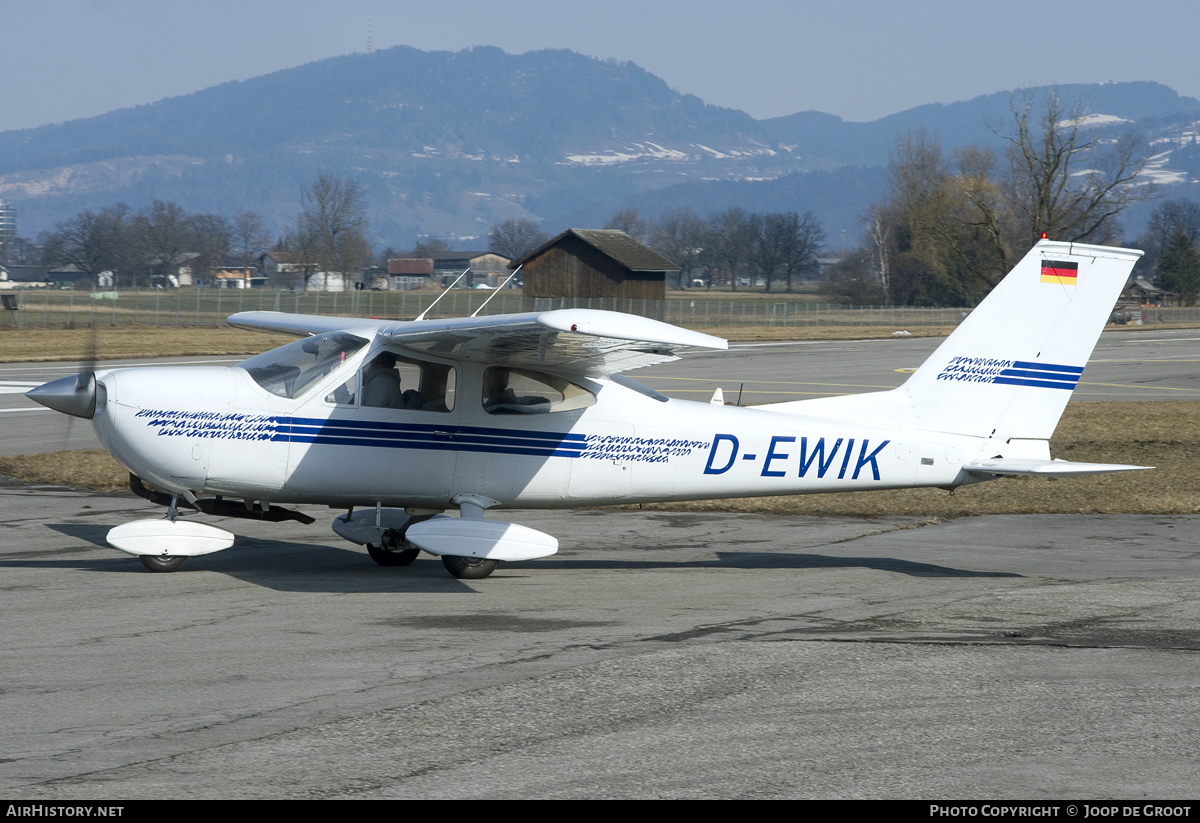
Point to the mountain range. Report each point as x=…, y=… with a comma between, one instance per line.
x=447, y=144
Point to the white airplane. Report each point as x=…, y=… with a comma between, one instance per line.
x=404, y=420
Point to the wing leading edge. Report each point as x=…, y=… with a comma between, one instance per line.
x=277, y=322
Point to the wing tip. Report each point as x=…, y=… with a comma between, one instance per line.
x=621, y=326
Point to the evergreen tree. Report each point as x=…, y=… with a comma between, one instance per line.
x=1179, y=268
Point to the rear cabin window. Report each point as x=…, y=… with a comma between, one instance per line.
x=393, y=381
x=523, y=391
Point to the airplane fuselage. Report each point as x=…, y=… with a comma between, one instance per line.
x=221, y=433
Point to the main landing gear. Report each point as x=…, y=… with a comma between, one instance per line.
x=468, y=568
x=395, y=550
x=471, y=548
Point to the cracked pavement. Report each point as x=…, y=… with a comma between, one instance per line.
x=657, y=655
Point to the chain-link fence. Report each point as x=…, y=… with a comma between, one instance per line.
x=64, y=308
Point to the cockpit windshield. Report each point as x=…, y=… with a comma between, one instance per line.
x=289, y=370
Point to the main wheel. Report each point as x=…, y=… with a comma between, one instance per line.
x=387, y=557
x=468, y=568
x=162, y=562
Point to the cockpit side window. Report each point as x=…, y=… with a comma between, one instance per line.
x=523, y=391
x=394, y=381
x=290, y=370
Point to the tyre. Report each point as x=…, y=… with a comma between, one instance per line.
x=162, y=562
x=468, y=568
x=387, y=557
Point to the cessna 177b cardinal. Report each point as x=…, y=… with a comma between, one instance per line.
x=399, y=421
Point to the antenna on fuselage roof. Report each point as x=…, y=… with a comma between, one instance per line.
x=445, y=291
x=497, y=291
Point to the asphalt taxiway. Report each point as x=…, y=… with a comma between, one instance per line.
x=657, y=655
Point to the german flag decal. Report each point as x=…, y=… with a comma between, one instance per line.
x=1060, y=271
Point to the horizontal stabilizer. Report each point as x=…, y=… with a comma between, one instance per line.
x=1012, y=467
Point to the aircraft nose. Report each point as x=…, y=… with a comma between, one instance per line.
x=70, y=395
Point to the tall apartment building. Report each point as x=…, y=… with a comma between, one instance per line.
x=8, y=223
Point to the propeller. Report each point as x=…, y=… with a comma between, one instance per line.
x=74, y=395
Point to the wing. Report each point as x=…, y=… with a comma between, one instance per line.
x=578, y=341
x=277, y=322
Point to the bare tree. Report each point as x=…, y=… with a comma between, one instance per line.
x=431, y=247
x=729, y=243
x=93, y=242
x=515, y=237
x=680, y=237
x=805, y=237
x=1065, y=178
x=768, y=238
x=878, y=248
x=333, y=224
x=784, y=244
x=297, y=252
x=942, y=225
x=163, y=234
x=250, y=238
x=24, y=252
x=212, y=239
x=630, y=222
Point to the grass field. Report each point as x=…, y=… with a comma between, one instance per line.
x=693, y=308
x=149, y=341
x=27, y=345
x=1165, y=435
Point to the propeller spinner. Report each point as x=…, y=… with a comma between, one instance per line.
x=74, y=395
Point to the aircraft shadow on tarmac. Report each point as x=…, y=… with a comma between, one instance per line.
x=82, y=531
x=311, y=567
x=780, y=560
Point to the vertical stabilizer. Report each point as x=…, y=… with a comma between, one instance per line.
x=1009, y=369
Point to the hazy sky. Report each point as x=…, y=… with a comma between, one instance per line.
x=860, y=59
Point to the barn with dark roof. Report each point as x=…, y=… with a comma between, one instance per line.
x=594, y=263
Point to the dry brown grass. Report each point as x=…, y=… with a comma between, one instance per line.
x=1165, y=435
x=762, y=334
x=87, y=469
x=149, y=341
x=130, y=341
x=24, y=345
